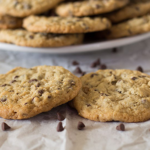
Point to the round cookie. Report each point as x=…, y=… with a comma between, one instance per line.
x=8, y=22
x=29, y=39
x=129, y=28
x=24, y=8
x=65, y=25
x=114, y=95
x=89, y=7
x=136, y=8
x=25, y=93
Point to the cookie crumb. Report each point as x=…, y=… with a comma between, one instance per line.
x=5, y=127
x=81, y=126
x=121, y=127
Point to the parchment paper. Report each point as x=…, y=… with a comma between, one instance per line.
x=39, y=133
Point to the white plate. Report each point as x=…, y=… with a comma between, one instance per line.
x=78, y=48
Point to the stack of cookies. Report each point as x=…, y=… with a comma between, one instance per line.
x=27, y=23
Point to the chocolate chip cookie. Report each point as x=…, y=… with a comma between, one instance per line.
x=89, y=7
x=129, y=28
x=23, y=8
x=9, y=22
x=25, y=93
x=136, y=8
x=65, y=25
x=29, y=39
x=114, y=95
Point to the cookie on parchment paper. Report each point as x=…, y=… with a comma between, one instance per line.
x=65, y=25
x=29, y=39
x=114, y=95
x=23, y=8
x=89, y=7
x=136, y=8
x=129, y=28
x=25, y=93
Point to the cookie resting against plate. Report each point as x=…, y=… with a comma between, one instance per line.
x=114, y=95
x=25, y=93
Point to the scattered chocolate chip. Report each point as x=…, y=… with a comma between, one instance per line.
x=114, y=50
x=60, y=127
x=120, y=92
x=3, y=99
x=139, y=69
x=38, y=85
x=78, y=70
x=121, y=127
x=5, y=127
x=103, y=94
x=41, y=92
x=81, y=126
x=134, y=78
x=75, y=63
x=13, y=81
x=96, y=63
x=60, y=117
x=33, y=80
x=103, y=66
x=25, y=103
x=83, y=73
x=72, y=82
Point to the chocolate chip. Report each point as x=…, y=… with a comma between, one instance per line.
x=33, y=80
x=81, y=126
x=113, y=82
x=31, y=37
x=94, y=74
x=25, y=103
x=144, y=101
x=5, y=85
x=38, y=85
x=114, y=50
x=60, y=127
x=16, y=77
x=13, y=81
x=5, y=127
x=75, y=63
x=97, y=6
x=88, y=105
x=103, y=94
x=72, y=82
x=103, y=66
x=78, y=70
x=41, y=92
x=60, y=117
x=139, y=69
x=96, y=63
x=49, y=97
x=134, y=78
x=121, y=127
x=83, y=73
x=3, y=99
